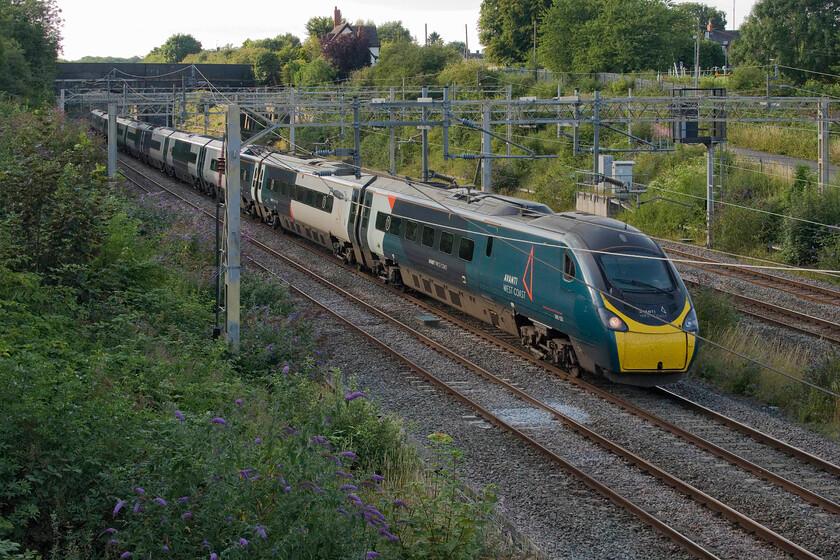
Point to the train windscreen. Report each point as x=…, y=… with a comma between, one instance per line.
x=637, y=272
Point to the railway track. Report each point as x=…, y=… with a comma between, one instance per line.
x=643, y=465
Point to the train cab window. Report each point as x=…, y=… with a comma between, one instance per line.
x=382, y=221
x=568, y=267
x=428, y=238
x=411, y=230
x=489, y=249
x=447, y=241
x=284, y=189
x=395, y=227
x=466, y=248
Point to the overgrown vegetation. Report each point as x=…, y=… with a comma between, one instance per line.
x=127, y=429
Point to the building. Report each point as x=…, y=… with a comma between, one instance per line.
x=722, y=38
x=345, y=28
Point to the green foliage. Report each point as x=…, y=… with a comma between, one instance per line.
x=319, y=26
x=315, y=73
x=393, y=32
x=603, y=36
x=700, y=14
x=797, y=34
x=175, y=49
x=30, y=40
x=267, y=69
x=506, y=28
x=816, y=407
x=417, y=65
x=716, y=312
x=803, y=234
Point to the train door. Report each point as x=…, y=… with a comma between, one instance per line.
x=487, y=258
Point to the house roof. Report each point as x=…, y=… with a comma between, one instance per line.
x=369, y=30
x=721, y=37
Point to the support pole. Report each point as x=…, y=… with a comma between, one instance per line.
x=596, y=149
x=559, y=95
x=425, y=136
x=629, y=117
x=61, y=101
x=232, y=228
x=206, y=116
x=112, y=140
x=446, y=106
x=710, y=192
x=357, y=141
x=292, y=118
x=823, y=144
x=509, y=125
x=392, y=130
x=486, y=163
x=576, y=139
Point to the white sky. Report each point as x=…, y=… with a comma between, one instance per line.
x=125, y=29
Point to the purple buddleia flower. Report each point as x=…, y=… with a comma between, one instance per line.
x=139, y=490
x=370, y=555
x=355, y=395
x=344, y=474
x=138, y=508
x=186, y=515
x=346, y=487
x=258, y=440
x=110, y=530
x=112, y=542
x=228, y=518
x=286, y=370
x=205, y=544
x=119, y=506
x=355, y=498
x=238, y=401
x=125, y=555
x=348, y=454
x=183, y=499
x=375, y=512
x=387, y=535
x=178, y=415
x=343, y=511
x=400, y=503
x=243, y=542
x=260, y=531
x=287, y=489
x=377, y=477
x=245, y=473
x=218, y=421
x=166, y=549
x=160, y=501
x=327, y=420
x=213, y=556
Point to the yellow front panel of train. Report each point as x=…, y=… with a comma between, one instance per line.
x=644, y=351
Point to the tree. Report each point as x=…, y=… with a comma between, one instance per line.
x=417, y=65
x=700, y=15
x=319, y=26
x=30, y=40
x=268, y=69
x=506, y=28
x=177, y=47
x=612, y=35
x=799, y=34
x=348, y=51
x=316, y=73
x=393, y=32
x=435, y=38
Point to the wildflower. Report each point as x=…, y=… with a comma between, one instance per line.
x=125, y=555
x=205, y=544
x=228, y=518
x=400, y=503
x=245, y=473
x=260, y=531
x=238, y=401
x=348, y=454
x=138, y=508
x=243, y=542
x=110, y=530
x=355, y=498
x=372, y=554
x=344, y=474
x=160, y=501
x=375, y=512
x=186, y=515
x=213, y=556
x=218, y=421
x=327, y=420
x=288, y=489
x=258, y=440
x=387, y=535
x=118, y=507
x=343, y=512
x=346, y=487
x=286, y=370
x=377, y=477
x=355, y=395
x=178, y=415
x=112, y=542
x=166, y=549
x=183, y=499
x=139, y=490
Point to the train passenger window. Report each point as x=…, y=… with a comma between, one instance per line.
x=466, y=248
x=447, y=240
x=329, y=204
x=214, y=163
x=310, y=198
x=568, y=267
x=353, y=205
x=366, y=209
x=489, y=249
x=300, y=194
x=411, y=230
x=243, y=174
x=428, y=236
x=382, y=221
x=320, y=201
x=396, y=226
x=155, y=145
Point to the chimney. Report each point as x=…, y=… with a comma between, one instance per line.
x=337, y=16
x=709, y=27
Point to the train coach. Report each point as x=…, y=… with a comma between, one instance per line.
x=586, y=292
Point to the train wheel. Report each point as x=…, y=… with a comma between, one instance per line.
x=574, y=371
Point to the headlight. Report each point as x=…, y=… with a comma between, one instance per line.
x=690, y=323
x=611, y=321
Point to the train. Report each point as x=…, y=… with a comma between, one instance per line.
x=582, y=291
